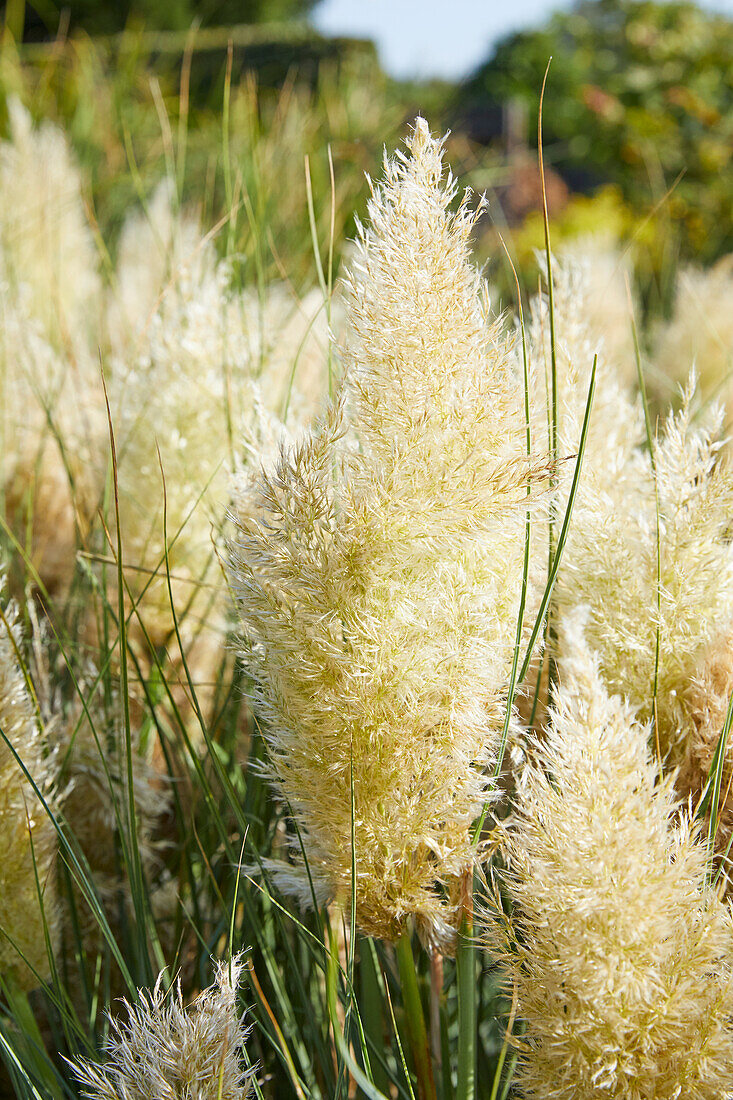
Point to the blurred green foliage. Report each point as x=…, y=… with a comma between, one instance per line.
x=638, y=118
x=132, y=117
x=639, y=94
x=43, y=17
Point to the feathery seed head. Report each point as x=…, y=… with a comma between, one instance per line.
x=611, y=565
x=700, y=334
x=620, y=951
x=27, y=835
x=51, y=442
x=47, y=249
x=159, y=251
x=51, y=463
x=613, y=465
x=605, y=273
x=185, y=395
x=378, y=569
x=163, y=1051
x=617, y=424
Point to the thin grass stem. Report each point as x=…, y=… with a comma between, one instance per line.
x=414, y=1018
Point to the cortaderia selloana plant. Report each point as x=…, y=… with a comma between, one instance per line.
x=165, y=1050
x=648, y=551
x=651, y=558
x=52, y=458
x=378, y=570
x=29, y=912
x=618, y=948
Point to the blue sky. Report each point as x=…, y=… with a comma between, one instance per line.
x=446, y=38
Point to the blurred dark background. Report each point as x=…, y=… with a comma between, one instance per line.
x=42, y=18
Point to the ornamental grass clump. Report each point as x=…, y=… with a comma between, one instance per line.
x=619, y=950
x=652, y=558
x=28, y=895
x=378, y=568
x=167, y=1052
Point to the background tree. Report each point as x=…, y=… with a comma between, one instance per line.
x=639, y=94
x=42, y=17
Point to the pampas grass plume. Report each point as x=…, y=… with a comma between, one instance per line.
x=163, y=1051
x=700, y=334
x=201, y=360
x=52, y=430
x=620, y=952
x=48, y=251
x=378, y=569
x=28, y=899
x=611, y=566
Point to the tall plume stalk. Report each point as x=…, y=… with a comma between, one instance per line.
x=649, y=553
x=378, y=569
x=651, y=556
x=620, y=952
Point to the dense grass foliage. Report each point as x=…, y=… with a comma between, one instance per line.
x=365, y=648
